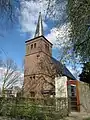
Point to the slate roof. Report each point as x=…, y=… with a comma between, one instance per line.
x=62, y=69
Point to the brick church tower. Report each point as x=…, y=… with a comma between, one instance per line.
x=37, y=69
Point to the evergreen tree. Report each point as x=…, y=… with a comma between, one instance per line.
x=85, y=75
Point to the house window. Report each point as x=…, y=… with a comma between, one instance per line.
x=31, y=78
x=47, y=47
x=34, y=77
x=34, y=45
x=32, y=94
x=31, y=46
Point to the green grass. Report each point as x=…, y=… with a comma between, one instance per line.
x=86, y=118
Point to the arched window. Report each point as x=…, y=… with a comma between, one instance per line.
x=30, y=77
x=31, y=46
x=34, y=77
x=34, y=45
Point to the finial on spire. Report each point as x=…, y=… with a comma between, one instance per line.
x=39, y=28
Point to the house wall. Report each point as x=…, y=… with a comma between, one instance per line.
x=61, y=87
x=84, y=96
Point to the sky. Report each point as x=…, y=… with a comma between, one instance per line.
x=13, y=41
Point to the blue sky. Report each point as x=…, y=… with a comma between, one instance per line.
x=13, y=46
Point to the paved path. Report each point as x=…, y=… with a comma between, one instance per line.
x=78, y=116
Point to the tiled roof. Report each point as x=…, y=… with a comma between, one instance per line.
x=62, y=69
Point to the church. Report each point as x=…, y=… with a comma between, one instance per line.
x=40, y=67
x=44, y=76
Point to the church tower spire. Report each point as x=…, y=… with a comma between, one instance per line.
x=39, y=28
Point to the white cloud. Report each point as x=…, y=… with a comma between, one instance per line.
x=59, y=36
x=52, y=36
x=30, y=11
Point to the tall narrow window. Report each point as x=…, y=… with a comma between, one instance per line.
x=34, y=77
x=31, y=46
x=34, y=45
x=47, y=47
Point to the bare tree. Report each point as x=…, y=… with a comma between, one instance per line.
x=9, y=11
x=10, y=75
